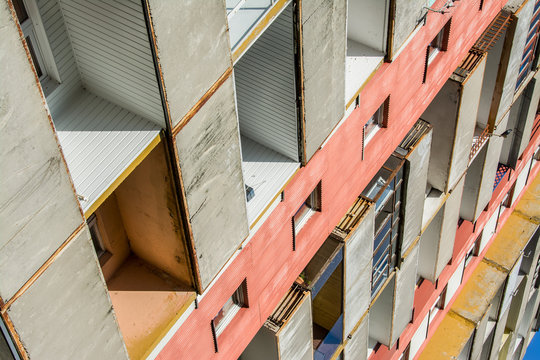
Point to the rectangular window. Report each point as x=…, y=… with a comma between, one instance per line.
x=101, y=251
x=227, y=312
x=438, y=44
x=307, y=209
x=375, y=122
x=38, y=45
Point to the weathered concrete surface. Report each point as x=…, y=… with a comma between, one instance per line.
x=262, y=347
x=515, y=56
x=429, y=245
x=404, y=294
x=356, y=347
x=295, y=337
x=358, y=254
x=479, y=335
x=448, y=228
x=211, y=168
x=407, y=16
x=442, y=113
x=324, y=44
x=472, y=186
x=38, y=208
x=417, y=164
x=67, y=313
x=192, y=53
x=466, y=123
x=380, y=314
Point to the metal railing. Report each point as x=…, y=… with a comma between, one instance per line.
x=478, y=142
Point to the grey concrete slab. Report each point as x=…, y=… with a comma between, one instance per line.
x=357, y=346
x=295, y=337
x=38, y=208
x=324, y=43
x=358, y=254
x=193, y=53
x=408, y=15
x=67, y=313
x=211, y=169
x=417, y=164
x=404, y=294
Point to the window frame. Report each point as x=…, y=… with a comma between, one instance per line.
x=239, y=301
x=307, y=209
x=437, y=45
x=376, y=121
x=38, y=45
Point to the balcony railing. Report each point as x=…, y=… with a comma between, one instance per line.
x=478, y=142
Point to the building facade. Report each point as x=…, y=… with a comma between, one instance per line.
x=270, y=179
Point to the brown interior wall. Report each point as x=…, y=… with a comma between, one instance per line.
x=148, y=207
x=327, y=303
x=113, y=234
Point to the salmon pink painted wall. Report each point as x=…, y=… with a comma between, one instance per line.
x=267, y=261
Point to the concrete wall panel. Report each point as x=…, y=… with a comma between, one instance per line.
x=367, y=22
x=358, y=254
x=210, y=162
x=429, y=244
x=295, y=337
x=380, y=314
x=516, y=55
x=407, y=16
x=442, y=113
x=67, y=313
x=262, y=347
x=531, y=115
x=193, y=54
x=417, y=172
x=448, y=228
x=324, y=43
x=472, y=185
x=357, y=346
x=466, y=123
x=404, y=294
x=38, y=208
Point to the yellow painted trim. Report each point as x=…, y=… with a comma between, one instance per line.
x=123, y=176
x=259, y=28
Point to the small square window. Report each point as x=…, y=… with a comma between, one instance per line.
x=438, y=44
x=231, y=307
x=101, y=251
x=376, y=121
x=307, y=209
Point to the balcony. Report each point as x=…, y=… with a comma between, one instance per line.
x=244, y=15
x=98, y=76
x=138, y=237
x=324, y=277
x=366, y=42
x=267, y=114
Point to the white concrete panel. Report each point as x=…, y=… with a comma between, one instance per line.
x=38, y=209
x=193, y=54
x=358, y=254
x=414, y=191
x=404, y=294
x=442, y=113
x=472, y=185
x=454, y=282
x=380, y=315
x=429, y=245
x=67, y=313
x=448, y=228
x=367, y=22
x=262, y=347
x=466, y=123
x=112, y=50
x=489, y=230
x=408, y=16
x=510, y=286
x=357, y=347
x=519, y=184
x=419, y=337
x=295, y=337
x=266, y=89
x=211, y=168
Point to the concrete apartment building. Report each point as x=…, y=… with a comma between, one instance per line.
x=269, y=179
